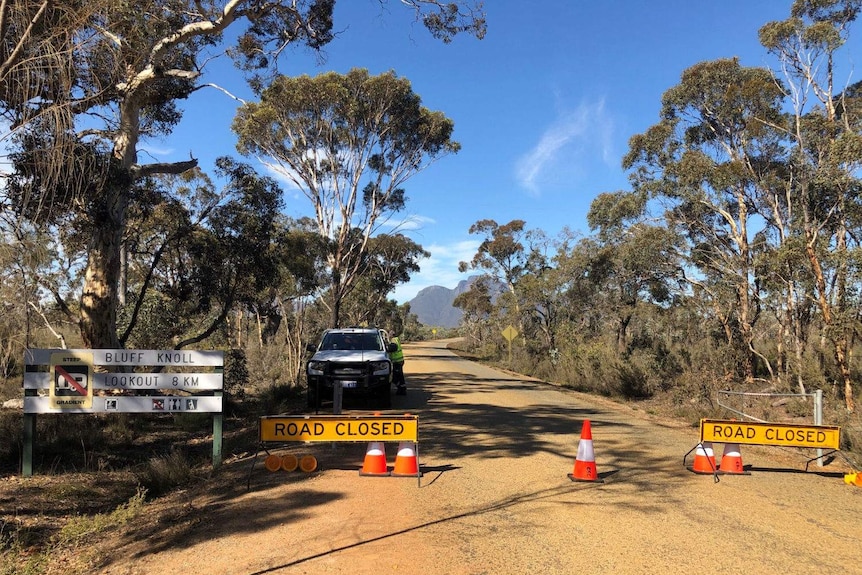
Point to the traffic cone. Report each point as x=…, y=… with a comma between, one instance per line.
x=704, y=459
x=406, y=462
x=731, y=460
x=375, y=460
x=585, y=462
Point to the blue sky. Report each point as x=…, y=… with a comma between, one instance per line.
x=543, y=107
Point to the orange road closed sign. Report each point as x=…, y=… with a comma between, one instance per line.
x=339, y=428
x=775, y=434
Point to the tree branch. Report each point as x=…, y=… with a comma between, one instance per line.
x=57, y=334
x=14, y=56
x=221, y=89
x=164, y=168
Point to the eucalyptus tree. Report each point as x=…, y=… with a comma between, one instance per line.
x=825, y=142
x=349, y=142
x=160, y=225
x=123, y=71
x=697, y=160
x=35, y=276
x=503, y=257
x=201, y=255
x=390, y=260
x=540, y=289
x=477, y=305
x=39, y=42
x=578, y=290
x=635, y=262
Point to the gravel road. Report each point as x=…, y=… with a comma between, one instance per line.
x=495, y=450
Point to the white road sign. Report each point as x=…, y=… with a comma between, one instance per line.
x=132, y=404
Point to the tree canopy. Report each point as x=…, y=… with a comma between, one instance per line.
x=83, y=84
x=349, y=143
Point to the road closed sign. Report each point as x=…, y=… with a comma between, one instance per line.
x=71, y=380
x=277, y=428
x=773, y=434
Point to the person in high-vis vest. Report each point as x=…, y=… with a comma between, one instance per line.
x=397, y=358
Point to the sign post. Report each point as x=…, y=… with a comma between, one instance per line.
x=337, y=396
x=510, y=333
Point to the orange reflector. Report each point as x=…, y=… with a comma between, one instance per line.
x=289, y=462
x=272, y=462
x=308, y=463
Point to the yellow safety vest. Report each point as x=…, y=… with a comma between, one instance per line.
x=397, y=356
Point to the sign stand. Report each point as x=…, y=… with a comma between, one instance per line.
x=510, y=333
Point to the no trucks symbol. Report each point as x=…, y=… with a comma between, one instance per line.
x=71, y=380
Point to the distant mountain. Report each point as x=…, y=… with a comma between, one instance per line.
x=433, y=305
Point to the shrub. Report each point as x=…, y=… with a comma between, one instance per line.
x=236, y=375
x=12, y=433
x=633, y=381
x=161, y=474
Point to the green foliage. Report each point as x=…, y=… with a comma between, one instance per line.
x=277, y=398
x=77, y=531
x=14, y=547
x=349, y=142
x=33, y=547
x=158, y=321
x=68, y=69
x=633, y=381
x=236, y=373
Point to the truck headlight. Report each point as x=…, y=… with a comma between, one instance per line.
x=316, y=367
x=380, y=367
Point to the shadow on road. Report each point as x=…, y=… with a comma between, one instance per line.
x=504, y=503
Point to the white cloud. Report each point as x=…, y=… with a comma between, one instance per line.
x=403, y=225
x=280, y=174
x=153, y=151
x=566, y=146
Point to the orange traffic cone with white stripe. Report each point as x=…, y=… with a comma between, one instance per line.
x=585, y=462
x=731, y=460
x=704, y=459
x=375, y=460
x=406, y=462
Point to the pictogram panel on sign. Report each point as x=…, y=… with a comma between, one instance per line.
x=71, y=380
